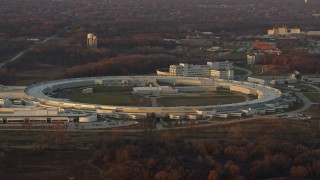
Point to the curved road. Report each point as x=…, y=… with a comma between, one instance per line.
x=249, y=73
x=306, y=102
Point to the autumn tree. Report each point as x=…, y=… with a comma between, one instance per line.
x=298, y=171
x=232, y=168
x=213, y=175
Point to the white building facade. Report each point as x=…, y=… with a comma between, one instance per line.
x=283, y=31
x=189, y=70
x=221, y=70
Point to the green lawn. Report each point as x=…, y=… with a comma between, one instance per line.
x=240, y=72
x=109, y=99
x=99, y=89
x=303, y=86
x=106, y=95
x=198, y=101
x=122, y=96
x=112, y=89
x=313, y=97
x=256, y=70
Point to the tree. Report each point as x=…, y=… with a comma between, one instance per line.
x=213, y=175
x=236, y=131
x=233, y=168
x=173, y=174
x=27, y=126
x=59, y=135
x=201, y=149
x=152, y=163
x=298, y=171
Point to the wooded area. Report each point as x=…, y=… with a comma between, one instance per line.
x=138, y=28
x=263, y=148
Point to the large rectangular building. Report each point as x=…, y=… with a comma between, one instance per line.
x=283, y=31
x=222, y=70
x=189, y=70
x=46, y=115
x=223, y=74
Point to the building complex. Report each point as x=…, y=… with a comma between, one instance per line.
x=221, y=70
x=43, y=114
x=41, y=93
x=260, y=49
x=283, y=31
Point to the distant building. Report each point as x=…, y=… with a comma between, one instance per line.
x=87, y=90
x=223, y=74
x=265, y=48
x=189, y=70
x=32, y=114
x=222, y=70
x=154, y=90
x=91, y=41
x=283, y=31
x=313, y=33
x=295, y=31
x=251, y=59
x=260, y=49
x=272, y=31
x=296, y=75
x=5, y=103
x=259, y=80
x=273, y=80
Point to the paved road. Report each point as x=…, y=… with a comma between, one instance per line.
x=214, y=123
x=23, y=52
x=242, y=77
x=154, y=102
x=159, y=126
x=313, y=86
x=249, y=73
x=14, y=58
x=306, y=102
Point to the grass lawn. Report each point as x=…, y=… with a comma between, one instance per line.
x=198, y=101
x=301, y=86
x=236, y=54
x=107, y=95
x=313, y=97
x=296, y=106
x=121, y=96
x=109, y=99
x=112, y=89
x=240, y=72
x=256, y=70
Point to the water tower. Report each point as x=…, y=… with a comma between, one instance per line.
x=91, y=41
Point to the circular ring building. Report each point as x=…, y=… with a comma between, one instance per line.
x=42, y=92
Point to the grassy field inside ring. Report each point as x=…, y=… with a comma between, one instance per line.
x=122, y=96
x=198, y=101
x=107, y=95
